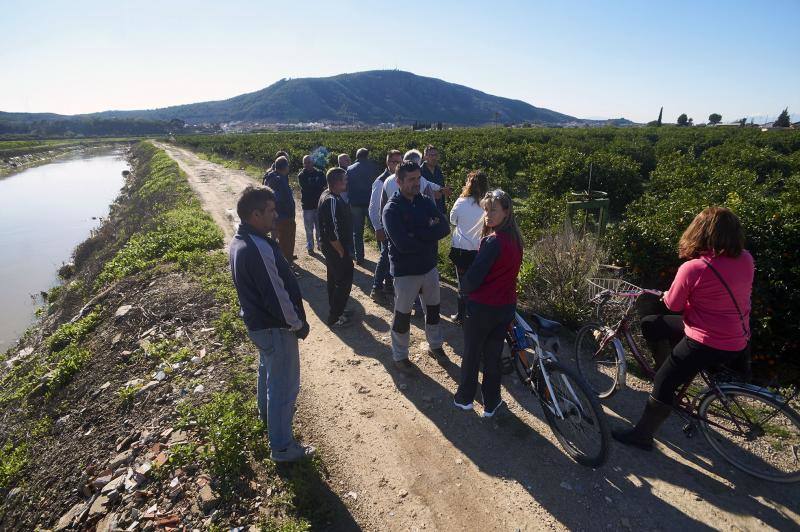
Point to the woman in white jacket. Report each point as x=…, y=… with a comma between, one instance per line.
x=467, y=218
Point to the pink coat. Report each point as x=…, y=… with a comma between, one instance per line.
x=709, y=315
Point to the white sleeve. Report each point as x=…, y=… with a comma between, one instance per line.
x=454, y=212
x=425, y=184
x=375, y=204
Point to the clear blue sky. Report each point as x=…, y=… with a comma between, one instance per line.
x=584, y=58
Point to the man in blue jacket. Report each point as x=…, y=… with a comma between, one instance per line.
x=360, y=176
x=272, y=310
x=285, y=227
x=414, y=226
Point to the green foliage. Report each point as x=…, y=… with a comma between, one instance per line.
x=714, y=118
x=73, y=332
x=69, y=361
x=13, y=459
x=230, y=329
x=177, y=233
x=126, y=394
x=683, y=120
x=230, y=430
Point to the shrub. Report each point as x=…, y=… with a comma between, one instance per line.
x=553, y=276
x=13, y=459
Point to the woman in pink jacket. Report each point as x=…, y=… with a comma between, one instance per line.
x=712, y=291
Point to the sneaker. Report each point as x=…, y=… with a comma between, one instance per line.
x=405, y=366
x=458, y=319
x=463, y=406
x=293, y=453
x=310, y=251
x=342, y=322
x=375, y=294
x=438, y=354
x=495, y=410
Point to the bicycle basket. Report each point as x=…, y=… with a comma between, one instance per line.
x=617, y=298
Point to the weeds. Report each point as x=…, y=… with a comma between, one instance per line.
x=73, y=332
x=13, y=459
x=231, y=432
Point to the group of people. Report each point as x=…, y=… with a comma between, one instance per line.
x=405, y=204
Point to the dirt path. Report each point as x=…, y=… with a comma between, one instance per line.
x=402, y=458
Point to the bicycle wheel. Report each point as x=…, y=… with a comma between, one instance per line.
x=581, y=429
x=753, y=431
x=601, y=368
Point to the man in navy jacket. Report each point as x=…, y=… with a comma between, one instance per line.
x=414, y=226
x=272, y=309
x=360, y=177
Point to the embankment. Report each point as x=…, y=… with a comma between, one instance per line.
x=131, y=402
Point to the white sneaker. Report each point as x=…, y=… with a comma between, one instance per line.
x=463, y=407
x=293, y=453
x=495, y=410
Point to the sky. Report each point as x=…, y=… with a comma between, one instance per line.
x=612, y=58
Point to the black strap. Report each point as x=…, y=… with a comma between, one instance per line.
x=730, y=293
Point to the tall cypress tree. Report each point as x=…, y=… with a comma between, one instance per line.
x=660, y=114
x=783, y=119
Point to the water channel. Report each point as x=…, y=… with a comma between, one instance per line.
x=44, y=213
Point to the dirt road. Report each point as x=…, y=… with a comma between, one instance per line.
x=403, y=458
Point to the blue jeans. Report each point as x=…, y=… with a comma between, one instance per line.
x=359, y=216
x=382, y=274
x=311, y=224
x=278, y=382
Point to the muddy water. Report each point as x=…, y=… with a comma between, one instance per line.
x=44, y=213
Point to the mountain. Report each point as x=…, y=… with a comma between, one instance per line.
x=370, y=97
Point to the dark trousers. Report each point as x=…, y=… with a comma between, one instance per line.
x=382, y=274
x=340, y=281
x=688, y=357
x=484, y=332
x=462, y=259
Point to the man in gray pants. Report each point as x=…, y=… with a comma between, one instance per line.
x=414, y=226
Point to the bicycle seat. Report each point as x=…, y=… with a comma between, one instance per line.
x=544, y=326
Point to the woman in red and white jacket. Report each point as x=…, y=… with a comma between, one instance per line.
x=491, y=286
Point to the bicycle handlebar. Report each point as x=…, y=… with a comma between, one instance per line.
x=605, y=294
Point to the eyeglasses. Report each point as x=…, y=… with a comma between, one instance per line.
x=496, y=193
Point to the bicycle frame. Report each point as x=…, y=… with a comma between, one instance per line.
x=623, y=329
x=540, y=356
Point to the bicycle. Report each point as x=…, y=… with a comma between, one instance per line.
x=572, y=411
x=751, y=427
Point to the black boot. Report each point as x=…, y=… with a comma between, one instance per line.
x=641, y=436
x=661, y=350
x=459, y=317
